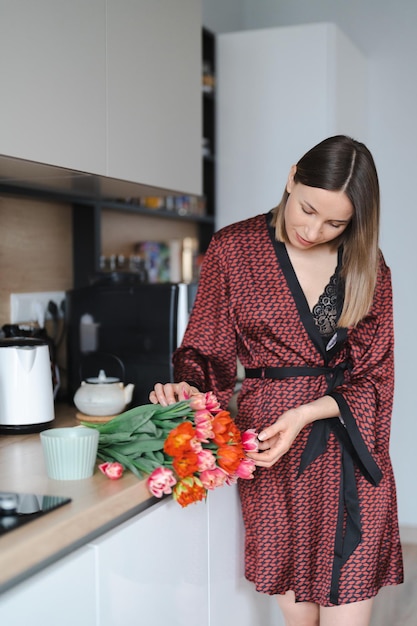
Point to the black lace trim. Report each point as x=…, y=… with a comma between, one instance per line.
x=325, y=311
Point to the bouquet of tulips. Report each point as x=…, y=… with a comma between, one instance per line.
x=185, y=448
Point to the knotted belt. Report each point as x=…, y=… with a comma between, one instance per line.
x=353, y=450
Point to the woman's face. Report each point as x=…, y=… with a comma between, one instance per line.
x=314, y=216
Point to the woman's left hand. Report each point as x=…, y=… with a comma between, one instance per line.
x=276, y=440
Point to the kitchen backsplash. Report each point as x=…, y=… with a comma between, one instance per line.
x=36, y=244
x=35, y=249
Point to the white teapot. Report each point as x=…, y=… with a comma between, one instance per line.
x=103, y=395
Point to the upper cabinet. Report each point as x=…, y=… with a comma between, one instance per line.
x=279, y=92
x=53, y=82
x=153, y=77
x=109, y=87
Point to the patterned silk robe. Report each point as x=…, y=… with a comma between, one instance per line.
x=323, y=520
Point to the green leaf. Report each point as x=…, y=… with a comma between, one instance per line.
x=140, y=467
x=146, y=465
x=147, y=429
x=104, y=456
x=136, y=448
x=155, y=455
x=159, y=457
x=144, y=418
x=110, y=438
x=126, y=462
x=129, y=421
x=146, y=437
x=166, y=425
x=173, y=411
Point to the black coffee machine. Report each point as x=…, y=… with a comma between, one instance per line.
x=140, y=325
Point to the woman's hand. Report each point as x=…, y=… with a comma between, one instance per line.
x=276, y=440
x=169, y=393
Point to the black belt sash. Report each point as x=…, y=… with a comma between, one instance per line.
x=353, y=450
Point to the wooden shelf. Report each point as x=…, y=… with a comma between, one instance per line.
x=89, y=194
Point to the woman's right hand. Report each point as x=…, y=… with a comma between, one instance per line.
x=169, y=393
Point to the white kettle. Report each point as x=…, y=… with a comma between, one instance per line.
x=26, y=393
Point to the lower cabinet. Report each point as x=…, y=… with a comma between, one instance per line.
x=168, y=565
x=153, y=570
x=61, y=595
x=233, y=600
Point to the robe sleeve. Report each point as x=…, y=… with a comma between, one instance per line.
x=207, y=355
x=365, y=399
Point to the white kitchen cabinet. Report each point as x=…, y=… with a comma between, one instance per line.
x=233, y=600
x=153, y=570
x=62, y=594
x=109, y=87
x=167, y=565
x=279, y=92
x=154, y=92
x=53, y=82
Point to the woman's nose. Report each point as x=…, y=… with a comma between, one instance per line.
x=314, y=231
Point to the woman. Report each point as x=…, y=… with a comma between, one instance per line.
x=302, y=296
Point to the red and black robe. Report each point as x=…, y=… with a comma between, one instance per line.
x=323, y=520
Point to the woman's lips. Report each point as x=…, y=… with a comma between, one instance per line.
x=302, y=241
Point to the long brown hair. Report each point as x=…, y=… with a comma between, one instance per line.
x=341, y=163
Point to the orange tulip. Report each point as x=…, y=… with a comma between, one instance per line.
x=224, y=429
x=189, y=490
x=229, y=458
x=186, y=464
x=179, y=439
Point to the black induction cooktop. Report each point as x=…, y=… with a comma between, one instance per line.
x=17, y=509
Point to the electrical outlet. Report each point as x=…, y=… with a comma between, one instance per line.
x=33, y=307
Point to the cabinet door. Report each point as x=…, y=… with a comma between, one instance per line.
x=61, y=595
x=153, y=570
x=52, y=76
x=233, y=600
x=154, y=93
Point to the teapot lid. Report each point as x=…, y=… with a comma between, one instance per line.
x=102, y=379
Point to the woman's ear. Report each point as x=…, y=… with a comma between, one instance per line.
x=290, y=179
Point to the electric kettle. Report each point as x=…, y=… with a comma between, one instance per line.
x=26, y=393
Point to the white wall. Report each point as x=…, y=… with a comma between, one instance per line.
x=262, y=125
x=386, y=32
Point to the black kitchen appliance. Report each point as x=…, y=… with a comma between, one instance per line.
x=17, y=509
x=139, y=324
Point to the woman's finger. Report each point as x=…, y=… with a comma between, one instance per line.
x=160, y=392
x=169, y=393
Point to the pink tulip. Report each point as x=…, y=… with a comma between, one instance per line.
x=195, y=444
x=203, y=421
x=112, y=470
x=212, y=404
x=250, y=440
x=206, y=460
x=161, y=481
x=202, y=415
x=246, y=469
x=198, y=401
x=213, y=478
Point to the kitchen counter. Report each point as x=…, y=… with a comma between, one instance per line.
x=98, y=505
